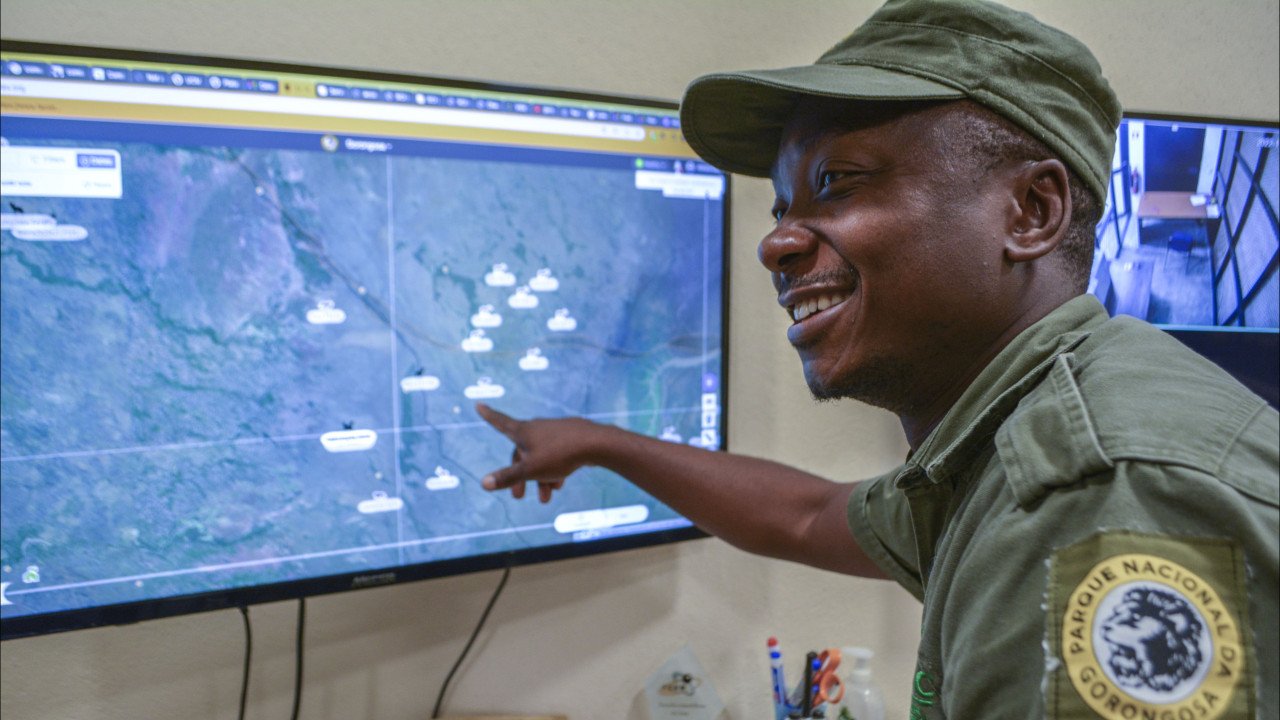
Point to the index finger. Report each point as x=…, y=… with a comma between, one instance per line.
x=501, y=422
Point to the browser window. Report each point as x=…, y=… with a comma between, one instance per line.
x=248, y=310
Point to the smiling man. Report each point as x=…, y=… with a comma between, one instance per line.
x=886, y=260
x=1089, y=511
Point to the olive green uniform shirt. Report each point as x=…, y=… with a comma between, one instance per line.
x=1093, y=532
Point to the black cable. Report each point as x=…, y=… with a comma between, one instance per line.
x=297, y=676
x=506, y=573
x=248, y=653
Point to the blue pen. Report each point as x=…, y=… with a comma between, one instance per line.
x=780, y=705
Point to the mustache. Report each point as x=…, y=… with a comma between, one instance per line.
x=843, y=277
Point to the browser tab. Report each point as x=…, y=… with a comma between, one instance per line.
x=267, y=86
x=113, y=74
x=150, y=77
x=26, y=69
x=365, y=93
x=333, y=91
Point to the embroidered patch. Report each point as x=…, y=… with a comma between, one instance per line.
x=1144, y=634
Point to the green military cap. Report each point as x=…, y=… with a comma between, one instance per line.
x=1041, y=79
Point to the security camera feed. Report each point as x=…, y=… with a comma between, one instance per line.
x=247, y=317
x=1189, y=238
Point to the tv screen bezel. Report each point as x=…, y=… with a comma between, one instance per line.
x=157, y=608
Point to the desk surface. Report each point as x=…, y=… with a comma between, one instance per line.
x=1171, y=205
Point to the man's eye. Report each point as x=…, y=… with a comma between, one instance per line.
x=828, y=177
x=778, y=212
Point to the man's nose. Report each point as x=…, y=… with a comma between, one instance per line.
x=784, y=247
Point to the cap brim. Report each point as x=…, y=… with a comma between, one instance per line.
x=735, y=120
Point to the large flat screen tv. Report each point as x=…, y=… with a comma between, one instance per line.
x=247, y=309
x=1189, y=240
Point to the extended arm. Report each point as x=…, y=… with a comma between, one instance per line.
x=757, y=505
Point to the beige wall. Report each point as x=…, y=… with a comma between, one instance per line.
x=581, y=636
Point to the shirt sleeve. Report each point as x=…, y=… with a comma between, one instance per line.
x=1000, y=624
x=880, y=519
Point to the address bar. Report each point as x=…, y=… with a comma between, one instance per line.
x=230, y=100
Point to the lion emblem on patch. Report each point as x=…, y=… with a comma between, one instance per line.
x=1153, y=638
x=1144, y=636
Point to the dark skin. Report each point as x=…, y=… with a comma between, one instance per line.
x=917, y=273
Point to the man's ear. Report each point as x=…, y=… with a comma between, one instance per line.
x=1041, y=210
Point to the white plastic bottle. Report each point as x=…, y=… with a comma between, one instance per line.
x=862, y=698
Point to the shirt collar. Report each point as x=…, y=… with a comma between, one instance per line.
x=968, y=426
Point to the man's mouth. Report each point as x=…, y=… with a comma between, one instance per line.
x=814, y=305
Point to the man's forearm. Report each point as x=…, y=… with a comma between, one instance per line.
x=757, y=505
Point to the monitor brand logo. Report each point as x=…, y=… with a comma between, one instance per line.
x=362, y=581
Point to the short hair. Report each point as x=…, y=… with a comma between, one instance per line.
x=980, y=139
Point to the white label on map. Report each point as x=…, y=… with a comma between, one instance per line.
x=419, y=383
x=562, y=321
x=348, y=440
x=499, y=276
x=50, y=233
x=10, y=221
x=484, y=389
x=485, y=317
x=523, y=299
x=534, y=361
x=442, y=480
x=325, y=313
x=544, y=281
x=566, y=523
x=379, y=503
x=476, y=342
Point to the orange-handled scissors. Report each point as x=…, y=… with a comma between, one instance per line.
x=827, y=685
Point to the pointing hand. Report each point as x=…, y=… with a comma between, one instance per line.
x=546, y=451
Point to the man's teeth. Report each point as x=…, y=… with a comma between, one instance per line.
x=800, y=311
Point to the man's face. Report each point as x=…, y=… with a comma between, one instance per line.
x=886, y=257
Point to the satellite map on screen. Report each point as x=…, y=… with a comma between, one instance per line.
x=230, y=366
